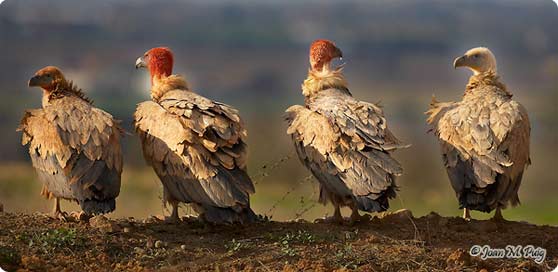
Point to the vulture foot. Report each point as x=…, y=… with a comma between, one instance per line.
x=60, y=215
x=80, y=216
x=466, y=215
x=498, y=216
x=357, y=218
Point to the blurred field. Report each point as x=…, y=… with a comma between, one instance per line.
x=282, y=195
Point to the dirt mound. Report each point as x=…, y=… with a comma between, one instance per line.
x=392, y=242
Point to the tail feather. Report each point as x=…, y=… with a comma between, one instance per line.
x=93, y=206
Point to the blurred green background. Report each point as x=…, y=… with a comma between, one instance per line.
x=253, y=55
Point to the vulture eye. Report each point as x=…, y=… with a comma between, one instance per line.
x=475, y=56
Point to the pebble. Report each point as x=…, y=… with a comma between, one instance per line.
x=183, y=247
x=138, y=250
x=102, y=223
x=159, y=244
x=126, y=230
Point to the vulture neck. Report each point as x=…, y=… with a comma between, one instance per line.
x=62, y=89
x=318, y=81
x=163, y=84
x=489, y=78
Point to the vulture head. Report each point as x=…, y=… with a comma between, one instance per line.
x=158, y=61
x=479, y=60
x=47, y=78
x=322, y=52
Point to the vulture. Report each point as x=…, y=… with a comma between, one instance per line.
x=344, y=142
x=196, y=146
x=74, y=146
x=484, y=138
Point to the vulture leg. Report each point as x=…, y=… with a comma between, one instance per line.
x=498, y=215
x=355, y=217
x=466, y=214
x=336, y=218
x=56, y=212
x=173, y=218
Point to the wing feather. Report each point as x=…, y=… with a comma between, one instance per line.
x=71, y=142
x=203, y=140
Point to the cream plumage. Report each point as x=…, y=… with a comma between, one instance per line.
x=484, y=138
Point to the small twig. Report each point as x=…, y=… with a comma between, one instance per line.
x=417, y=232
x=264, y=266
x=267, y=168
x=288, y=193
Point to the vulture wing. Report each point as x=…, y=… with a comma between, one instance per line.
x=484, y=140
x=75, y=149
x=197, y=148
x=346, y=144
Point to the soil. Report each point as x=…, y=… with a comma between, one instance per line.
x=391, y=242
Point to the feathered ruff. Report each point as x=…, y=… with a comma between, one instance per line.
x=163, y=84
x=321, y=80
x=64, y=88
x=489, y=78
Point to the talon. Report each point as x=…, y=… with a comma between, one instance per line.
x=62, y=216
x=80, y=216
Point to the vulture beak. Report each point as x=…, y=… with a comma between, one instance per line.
x=140, y=63
x=339, y=53
x=35, y=81
x=459, y=62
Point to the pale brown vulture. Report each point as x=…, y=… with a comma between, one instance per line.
x=195, y=145
x=344, y=142
x=74, y=146
x=484, y=138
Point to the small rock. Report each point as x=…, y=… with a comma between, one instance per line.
x=151, y=220
x=126, y=230
x=138, y=250
x=402, y=214
x=190, y=219
x=319, y=220
x=158, y=244
x=102, y=223
x=183, y=247
x=149, y=243
x=458, y=258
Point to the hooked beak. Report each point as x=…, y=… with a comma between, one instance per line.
x=459, y=62
x=35, y=81
x=140, y=63
x=339, y=53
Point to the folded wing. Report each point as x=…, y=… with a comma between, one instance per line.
x=76, y=151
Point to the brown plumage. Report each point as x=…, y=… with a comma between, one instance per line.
x=344, y=142
x=74, y=146
x=195, y=145
x=484, y=138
